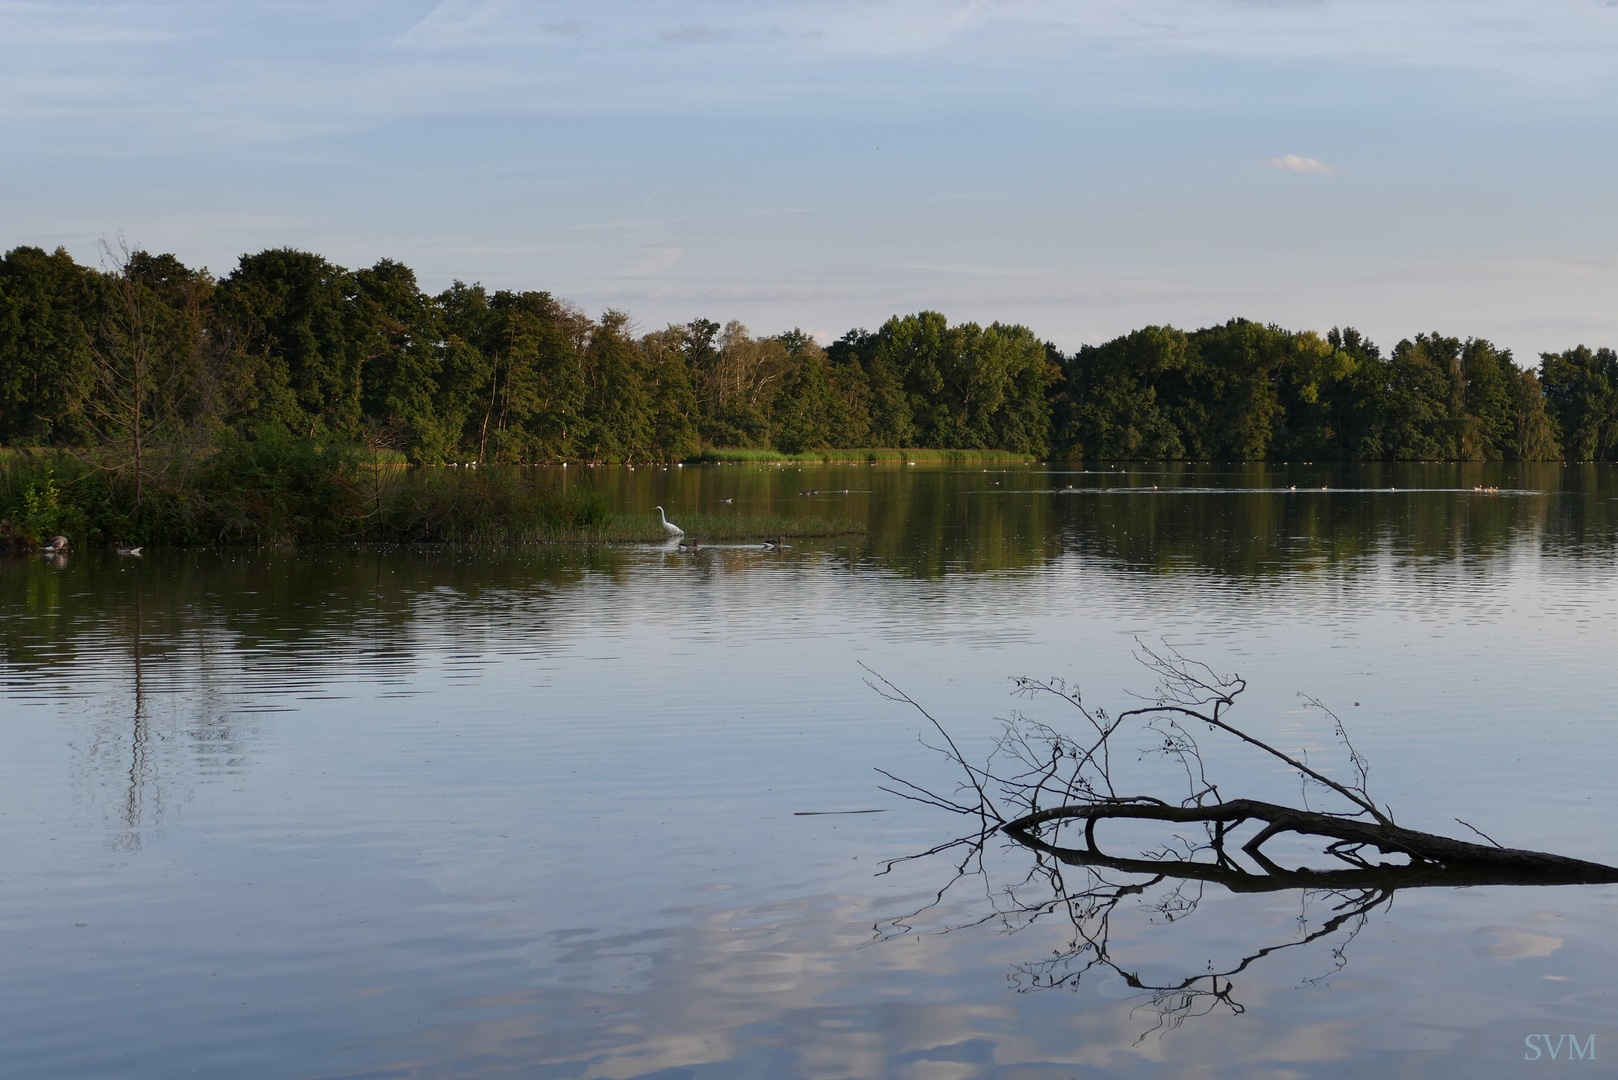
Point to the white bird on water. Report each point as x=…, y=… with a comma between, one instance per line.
x=668, y=526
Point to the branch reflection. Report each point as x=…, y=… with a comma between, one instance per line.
x=1043, y=792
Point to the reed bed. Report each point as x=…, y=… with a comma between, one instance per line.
x=746, y=456
x=298, y=491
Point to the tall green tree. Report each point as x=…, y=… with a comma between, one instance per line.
x=1358, y=396
x=1489, y=426
x=45, y=359
x=618, y=409
x=1533, y=432
x=1581, y=395
x=1108, y=408
x=465, y=373
x=1223, y=399
x=1417, y=407
x=807, y=413
x=401, y=357
x=300, y=331
x=536, y=396
x=672, y=395
x=1314, y=394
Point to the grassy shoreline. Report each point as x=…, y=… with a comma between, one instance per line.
x=858, y=456
x=297, y=491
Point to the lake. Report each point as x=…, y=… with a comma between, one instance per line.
x=557, y=812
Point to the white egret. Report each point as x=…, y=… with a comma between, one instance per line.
x=668, y=526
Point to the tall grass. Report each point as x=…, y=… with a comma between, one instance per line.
x=861, y=454
x=283, y=490
x=743, y=456
x=923, y=454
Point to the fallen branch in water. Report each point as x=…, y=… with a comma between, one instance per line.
x=1049, y=793
x=1434, y=859
x=1077, y=775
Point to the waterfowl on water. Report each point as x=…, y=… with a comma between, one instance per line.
x=57, y=546
x=129, y=551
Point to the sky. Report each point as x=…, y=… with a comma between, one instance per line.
x=1084, y=167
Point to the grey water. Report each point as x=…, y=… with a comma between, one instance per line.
x=590, y=812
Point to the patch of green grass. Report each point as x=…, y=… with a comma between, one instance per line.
x=907, y=454
x=292, y=491
x=715, y=456
x=381, y=455
x=743, y=456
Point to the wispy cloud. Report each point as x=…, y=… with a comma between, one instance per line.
x=691, y=35
x=1563, y=41
x=652, y=261
x=1305, y=166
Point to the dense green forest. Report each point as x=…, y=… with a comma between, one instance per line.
x=169, y=367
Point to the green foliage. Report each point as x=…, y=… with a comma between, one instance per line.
x=303, y=337
x=279, y=488
x=44, y=347
x=144, y=368
x=1246, y=392
x=735, y=455
x=43, y=513
x=1110, y=410
x=1581, y=396
x=37, y=499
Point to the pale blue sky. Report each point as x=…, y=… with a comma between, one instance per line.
x=1083, y=167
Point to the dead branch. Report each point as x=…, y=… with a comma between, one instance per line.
x=1040, y=786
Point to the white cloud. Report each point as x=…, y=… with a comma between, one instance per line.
x=1306, y=166
x=1565, y=42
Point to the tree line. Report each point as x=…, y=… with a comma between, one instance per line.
x=152, y=357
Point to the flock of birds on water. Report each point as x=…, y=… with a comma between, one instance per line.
x=59, y=545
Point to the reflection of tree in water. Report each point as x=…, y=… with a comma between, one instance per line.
x=157, y=726
x=163, y=666
x=1044, y=793
x=1239, y=520
x=1263, y=521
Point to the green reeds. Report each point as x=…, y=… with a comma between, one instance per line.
x=720, y=456
x=284, y=490
x=742, y=456
x=920, y=454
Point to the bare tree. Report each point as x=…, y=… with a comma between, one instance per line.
x=154, y=368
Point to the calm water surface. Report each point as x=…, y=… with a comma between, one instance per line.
x=548, y=812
